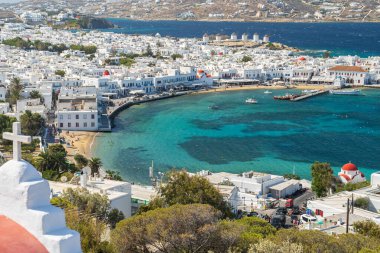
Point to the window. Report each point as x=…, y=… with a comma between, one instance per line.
x=77, y=116
x=69, y=124
x=61, y=116
x=92, y=116
x=84, y=116
x=77, y=124
x=85, y=124
x=61, y=124
x=92, y=124
x=69, y=116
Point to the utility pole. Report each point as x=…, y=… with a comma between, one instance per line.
x=348, y=215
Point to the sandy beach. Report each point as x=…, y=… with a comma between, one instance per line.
x=261, y=87
x=78, y=142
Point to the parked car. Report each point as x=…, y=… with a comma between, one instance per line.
x=278, y=220
x=281, y=210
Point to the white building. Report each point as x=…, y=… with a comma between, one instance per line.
x=77, y=111
x=206, y=38
x=3, y=92
x=28, y=219
x=244, y=37
x=256, y=38
x=266, y=39
x=4, y=108
x=351, y=174
x=234, y=36
x=352, y=75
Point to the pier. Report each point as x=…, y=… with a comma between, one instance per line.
x=309, y=95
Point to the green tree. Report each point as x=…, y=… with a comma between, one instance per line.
x=90, y=228
x=321, y=174
x=95, y=163
x=31, y=123
x=114, y=216
x=114, y=175
x=246, y=58
x=367, y=228
x=6, y=124
x=292, y=176
x=267, y=246
x=80, y=160
x=362, y=202
x=15, y=90
x=60, y=72
x=53, y=159
x=35, y=94
x=176, y=56
x=179, y=228
x=181, y=188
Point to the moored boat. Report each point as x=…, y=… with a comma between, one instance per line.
x=251, y=101
x=267, y=92
x=345, y=92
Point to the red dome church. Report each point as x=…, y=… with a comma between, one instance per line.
x=351, y=174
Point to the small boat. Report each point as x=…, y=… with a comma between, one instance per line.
x=213, y=107
x=251, y=101
x=354, y=92
x=267, y=92
x=309, y=91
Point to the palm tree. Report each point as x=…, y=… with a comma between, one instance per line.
x=15, y=90
x=95, y=163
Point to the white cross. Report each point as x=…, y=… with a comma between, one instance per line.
x=17, y=139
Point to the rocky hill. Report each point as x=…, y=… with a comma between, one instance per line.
x=214, y=10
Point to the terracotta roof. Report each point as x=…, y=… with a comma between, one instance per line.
x=349, y=167
x=347, y=68
x=15, y=239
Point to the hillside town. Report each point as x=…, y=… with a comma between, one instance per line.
x=80, y=80
x=212, y=10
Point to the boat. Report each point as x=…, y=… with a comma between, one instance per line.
x=345, y=92
x=309, y=91
x=213, y=107
x=267, y=92
x=251, y=101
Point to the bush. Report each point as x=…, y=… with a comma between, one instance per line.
x=362, y=202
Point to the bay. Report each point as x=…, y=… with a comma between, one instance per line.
x=273, y=136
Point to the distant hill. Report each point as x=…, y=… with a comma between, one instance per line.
x=214, y=10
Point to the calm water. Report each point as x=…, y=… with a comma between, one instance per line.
x=272, y=136
x=361, y=39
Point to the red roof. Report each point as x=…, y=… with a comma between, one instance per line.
x=349, y=167
x=106, y=73
x=345, y=177
x=302, y=58
x=15, y=239
x=347, y=69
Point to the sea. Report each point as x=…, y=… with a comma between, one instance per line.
x=272, y=136
x=362, y=39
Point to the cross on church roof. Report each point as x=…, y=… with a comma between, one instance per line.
x=17, y=139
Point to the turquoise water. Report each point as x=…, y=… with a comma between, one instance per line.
x=341, y=38
x=272, y=136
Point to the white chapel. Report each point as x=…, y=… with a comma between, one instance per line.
x=28, y=222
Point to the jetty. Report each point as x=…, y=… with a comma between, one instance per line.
x=309, y=95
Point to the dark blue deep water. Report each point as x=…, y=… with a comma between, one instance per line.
x=272, y=136
x=361, y=39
